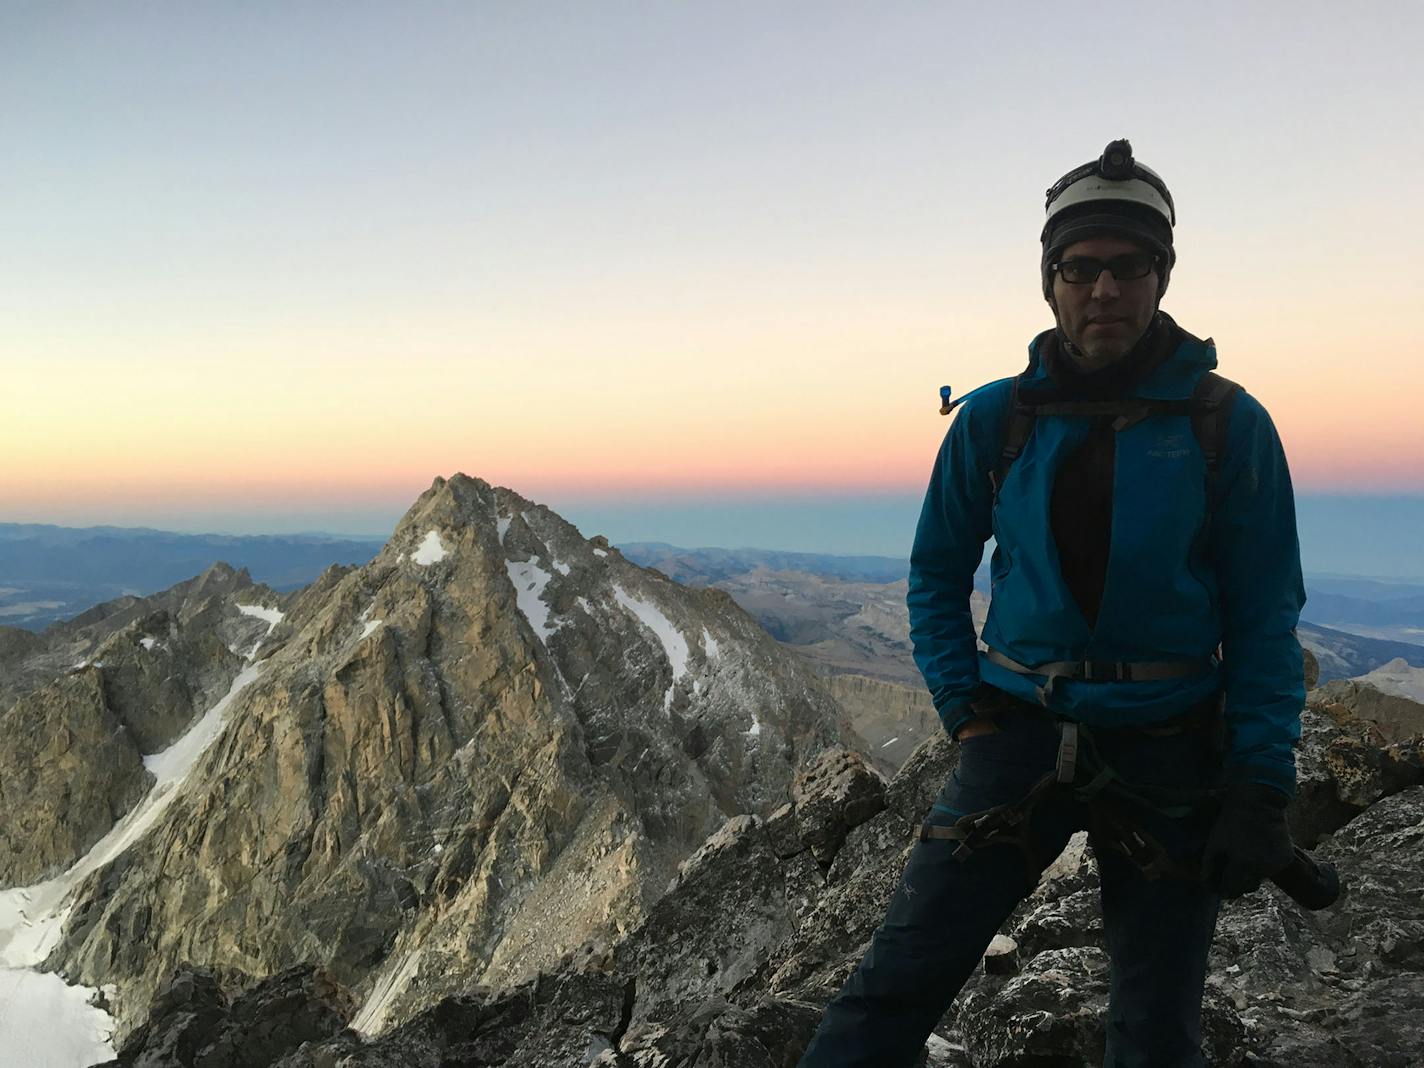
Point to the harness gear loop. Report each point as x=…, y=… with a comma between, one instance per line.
x=1068, y=754
x=1123, y=835
x=1008, y=822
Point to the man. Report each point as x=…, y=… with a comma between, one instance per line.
x=1142, y=678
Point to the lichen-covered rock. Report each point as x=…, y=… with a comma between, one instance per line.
x=733, y=894
x=1343, y=765
x=1396, y=717
x=836, y=793
x=68, y=772
x=193, y=1024
x=1054, y=1008
x=768, y=1033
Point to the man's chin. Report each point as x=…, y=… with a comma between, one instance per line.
x=1094, y=356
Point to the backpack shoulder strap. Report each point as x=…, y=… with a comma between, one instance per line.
x=1211, y=417
x=1018, y=427
x=1209, y=408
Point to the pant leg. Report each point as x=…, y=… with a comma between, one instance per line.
x=945, y=910
x=1159, y=931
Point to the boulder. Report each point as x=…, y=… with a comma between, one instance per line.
x=837, y=792
x=193, y=1023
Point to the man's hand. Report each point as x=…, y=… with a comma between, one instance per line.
x=981, y=725
x=1249, y=841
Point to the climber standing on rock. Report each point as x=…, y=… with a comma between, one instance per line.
x=1142, y=679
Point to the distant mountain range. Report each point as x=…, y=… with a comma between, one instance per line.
x=49, y=573
x=702, y=567
x=1390, y=610
x=848, y=613
x=844, y=612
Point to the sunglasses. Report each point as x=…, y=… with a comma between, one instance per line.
x=1081, y=270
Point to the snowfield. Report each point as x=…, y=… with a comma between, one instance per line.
x=271, y=615
x=46, y=1024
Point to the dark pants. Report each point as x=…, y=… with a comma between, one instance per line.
x=947, y=910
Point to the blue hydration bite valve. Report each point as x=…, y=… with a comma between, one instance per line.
x=944, y=406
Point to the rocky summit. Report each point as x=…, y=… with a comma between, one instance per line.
x=491, y=745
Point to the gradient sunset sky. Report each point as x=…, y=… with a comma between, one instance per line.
x=274, y=266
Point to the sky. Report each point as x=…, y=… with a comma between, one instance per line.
x=273, y=266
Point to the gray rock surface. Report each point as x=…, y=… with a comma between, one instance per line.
x=68, y=771
x=1397, y=718
x=193, y=1024
x=84, y=702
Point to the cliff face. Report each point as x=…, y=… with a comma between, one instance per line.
x=892, y=719
x=83, y=703
x=492, y=743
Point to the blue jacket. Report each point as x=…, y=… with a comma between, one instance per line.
x=1175, y=590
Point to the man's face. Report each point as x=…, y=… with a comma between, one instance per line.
x=1104, y=318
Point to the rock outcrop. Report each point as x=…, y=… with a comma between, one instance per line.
x=194, y=1024
x=1396, y=716
x=83, y=703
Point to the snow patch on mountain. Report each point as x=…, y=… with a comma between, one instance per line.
x=673, y=643
x=370, y=627
x=709, y=645
x=530, y=581
x=271, y=615
x=430, y=551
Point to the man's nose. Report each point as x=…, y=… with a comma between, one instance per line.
x=1105, y=288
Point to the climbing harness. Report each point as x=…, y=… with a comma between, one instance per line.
x=1082, y=774
x=1101, y=670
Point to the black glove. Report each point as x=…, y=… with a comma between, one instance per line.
x=1249, y=841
